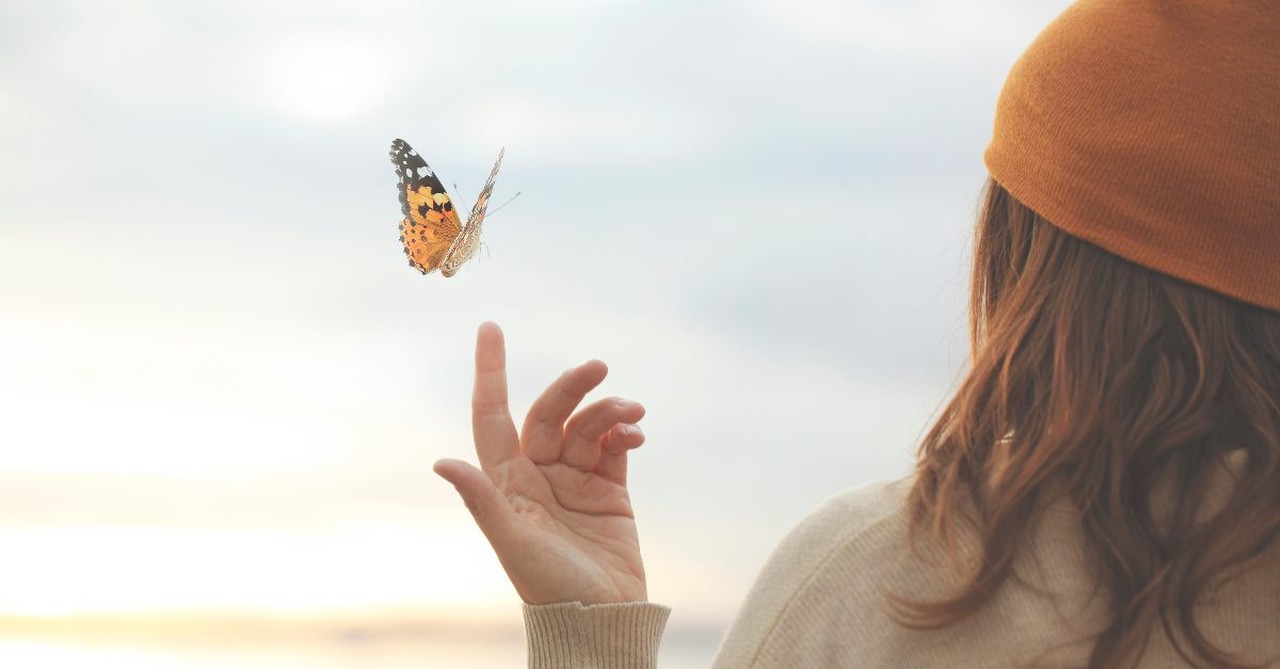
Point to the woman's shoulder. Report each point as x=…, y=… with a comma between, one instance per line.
x=859, y=519
x=866, y=504
x=832, y=557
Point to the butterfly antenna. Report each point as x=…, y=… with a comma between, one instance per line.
x=499, y=208
x=458, y=191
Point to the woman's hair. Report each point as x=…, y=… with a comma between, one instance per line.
x=1100, y=377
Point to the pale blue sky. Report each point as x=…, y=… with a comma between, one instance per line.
x=756, y=212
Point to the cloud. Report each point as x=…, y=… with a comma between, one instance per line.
x=614, y=132
x=912, y=29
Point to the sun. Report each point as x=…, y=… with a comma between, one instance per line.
x=324, y=78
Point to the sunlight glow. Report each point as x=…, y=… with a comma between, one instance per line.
x=326, y=78
x=35, y=655
x=68, y=432
x=80, y=570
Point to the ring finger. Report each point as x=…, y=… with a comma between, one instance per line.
x=581, y=446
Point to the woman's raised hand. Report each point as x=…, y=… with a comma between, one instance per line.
x=552, y=499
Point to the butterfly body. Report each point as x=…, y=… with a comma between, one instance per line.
x=433, y=235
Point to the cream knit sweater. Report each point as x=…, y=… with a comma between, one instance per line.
x=816, y=605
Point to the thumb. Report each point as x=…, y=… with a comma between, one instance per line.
x=486, y=504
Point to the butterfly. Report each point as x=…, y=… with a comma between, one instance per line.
x=433, y=236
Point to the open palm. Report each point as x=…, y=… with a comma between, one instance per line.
x=552, y=499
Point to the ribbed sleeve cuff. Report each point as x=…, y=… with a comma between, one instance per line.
x=601, y=636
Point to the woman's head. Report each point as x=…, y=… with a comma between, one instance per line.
x=1125, y=389
x=1125, y=315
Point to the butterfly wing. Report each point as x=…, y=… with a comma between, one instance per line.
x=468, y=242
x=430, y=225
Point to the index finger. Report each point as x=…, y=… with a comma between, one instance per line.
x=491, y=425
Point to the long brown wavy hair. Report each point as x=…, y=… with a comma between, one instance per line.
x=1097, y=374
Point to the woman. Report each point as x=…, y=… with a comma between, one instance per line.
x=1103, y=490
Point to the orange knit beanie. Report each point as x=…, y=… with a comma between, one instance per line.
x=1151, y=128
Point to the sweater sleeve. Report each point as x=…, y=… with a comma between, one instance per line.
x=570, y=635
x=626, y=636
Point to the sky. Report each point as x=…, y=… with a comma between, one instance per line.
x=223, y=387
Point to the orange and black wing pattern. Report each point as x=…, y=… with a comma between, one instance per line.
x=430, y=223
